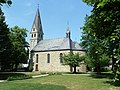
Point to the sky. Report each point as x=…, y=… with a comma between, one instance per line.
x=55, y=14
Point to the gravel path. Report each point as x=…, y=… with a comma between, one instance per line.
x=40, y=76
x=2, y=81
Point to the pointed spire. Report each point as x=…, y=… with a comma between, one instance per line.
x=38, y=6
x=68, y=31
x=37, y=21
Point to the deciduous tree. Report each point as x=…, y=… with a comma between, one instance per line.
x=18, y=38
x=73, y=60
x=104, y=25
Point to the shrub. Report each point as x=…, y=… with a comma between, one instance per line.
x=21, y=77
x=52, y=73
x=30, y=68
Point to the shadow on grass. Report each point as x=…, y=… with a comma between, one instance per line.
x=110, y=76
x=116, y=83
x=6, y=75
x=74, y=73
x=102, y=75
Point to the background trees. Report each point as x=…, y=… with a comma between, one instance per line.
x=20, y=45
x=13, y=45
x=73, y=60
x=5, y=43
x=102, y=30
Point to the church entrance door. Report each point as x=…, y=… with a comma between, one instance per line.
x=36, y=68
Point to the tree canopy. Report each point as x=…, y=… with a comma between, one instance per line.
x=5, y=43
x=72, y=59
x=101, y=32
x=13, y=44
x=9, y=2
x=20, y=45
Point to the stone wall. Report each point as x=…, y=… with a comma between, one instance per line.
x=54, y=65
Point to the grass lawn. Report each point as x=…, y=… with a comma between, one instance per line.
x=60, y=82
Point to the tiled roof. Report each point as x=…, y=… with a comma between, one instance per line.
x=56, y=44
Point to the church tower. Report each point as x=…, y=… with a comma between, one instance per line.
x=36, y=33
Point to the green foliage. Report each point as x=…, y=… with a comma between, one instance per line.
x=101, y=32
x=32, y=86
x=6, y=75
x=8, y=2
x=98, y=3
x=103, y=62
x=62, y=82
x=54, y=73
x=5, y=43
x=21, y=77
x=30, y=68
x=96, y=57
x=72, y=59
x=13, y=45
x=20, y=54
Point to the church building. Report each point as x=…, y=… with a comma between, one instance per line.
x=46, y=54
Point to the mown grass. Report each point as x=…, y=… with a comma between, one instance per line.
x=61, y=82
x=7, y=75
x=30, y=86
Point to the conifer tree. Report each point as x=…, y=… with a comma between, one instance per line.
x=5, y=44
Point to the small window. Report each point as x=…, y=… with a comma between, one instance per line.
x=33, y=29
x=38, y=35
x=34, y=35
x=36, y=58
x=48, y=58
x=61, y=60
x=36, y=68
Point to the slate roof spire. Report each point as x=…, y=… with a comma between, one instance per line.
x=36, y=33
x=37, y=21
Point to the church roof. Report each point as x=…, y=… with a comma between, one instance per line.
x=37, y=22
x=57, y=44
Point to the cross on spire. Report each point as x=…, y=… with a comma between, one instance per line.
x=38, y=5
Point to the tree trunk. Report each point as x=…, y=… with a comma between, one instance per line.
x=12, y=67
x=98, y=69
x=2, y=68
x=71, y=69
x=74, y=69
x=16, y=65
x=113, y=62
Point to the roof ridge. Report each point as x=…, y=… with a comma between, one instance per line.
x=54, y=38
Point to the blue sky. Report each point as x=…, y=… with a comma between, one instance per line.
x=54, y=16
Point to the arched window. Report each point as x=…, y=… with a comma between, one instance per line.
x=34, y=35
x=38, y=35
x=36, y=58
x=61, y=60
x=33, y=29
x=48, y=58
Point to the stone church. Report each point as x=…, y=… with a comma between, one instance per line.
x=46, y=54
